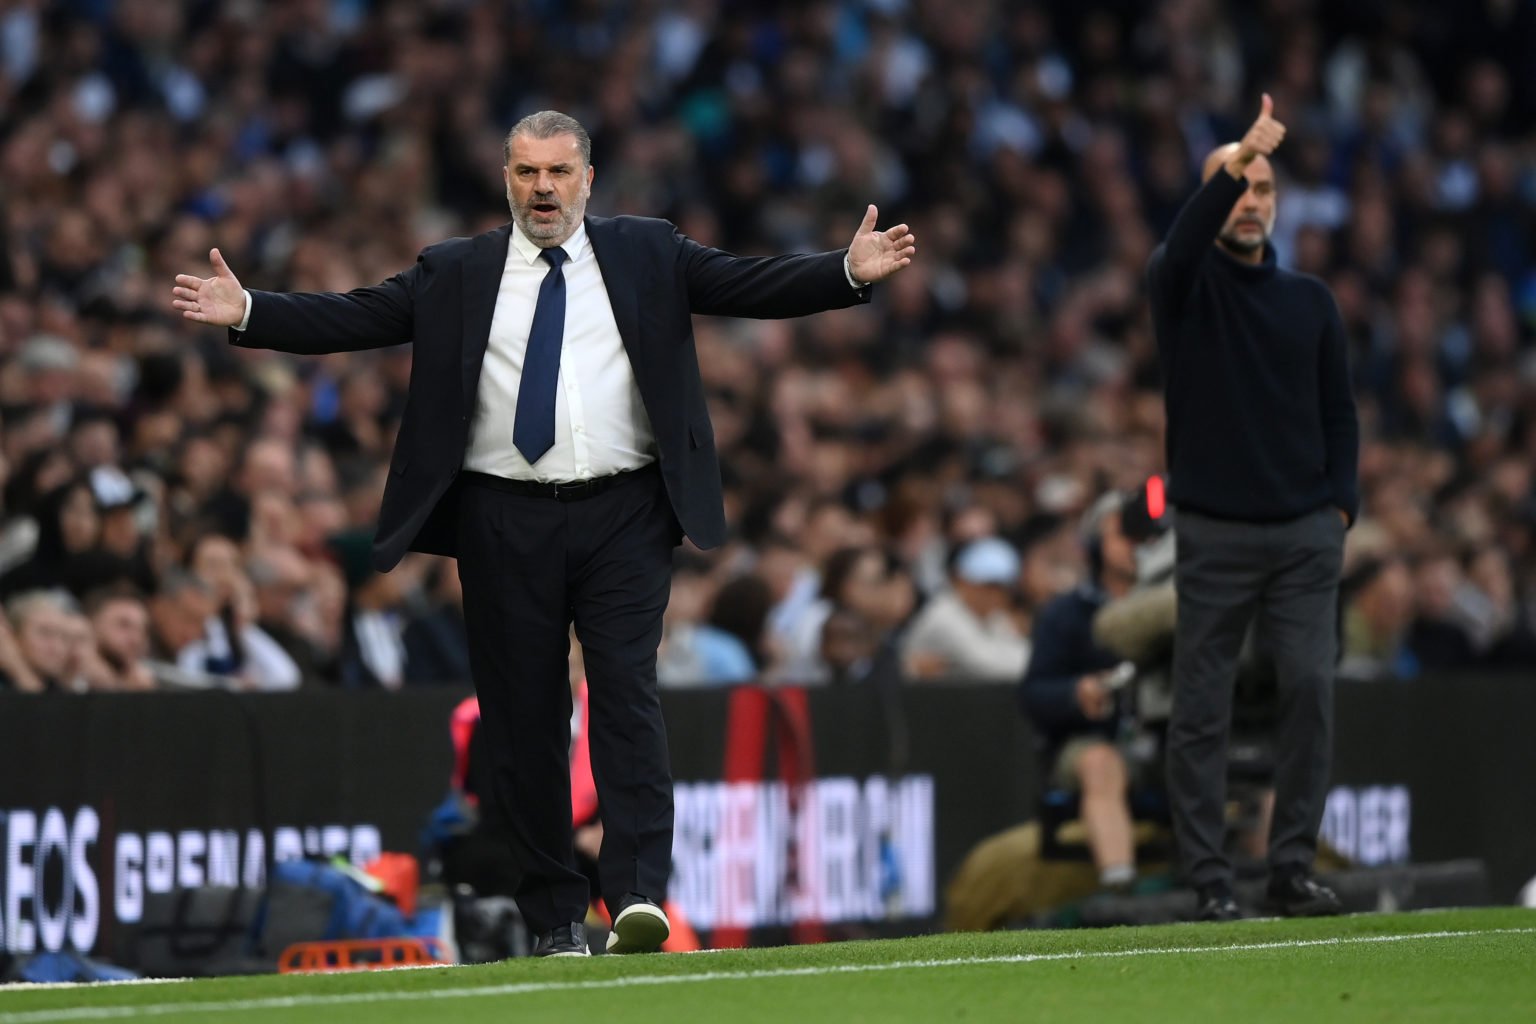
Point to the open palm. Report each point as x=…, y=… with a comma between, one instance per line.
x=217, y=300
x=876, y=255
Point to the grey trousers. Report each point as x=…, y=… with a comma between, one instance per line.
x=1286, y=575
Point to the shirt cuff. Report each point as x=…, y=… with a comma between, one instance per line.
x=853, y=282
x=245, y=321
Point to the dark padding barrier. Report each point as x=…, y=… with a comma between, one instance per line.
x=800, y=814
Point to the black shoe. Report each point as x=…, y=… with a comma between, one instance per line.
x=640, y=926
x=1216, y=903
x=1301, y=895
x=566, y=940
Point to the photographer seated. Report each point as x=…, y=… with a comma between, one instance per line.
x=1071, y=692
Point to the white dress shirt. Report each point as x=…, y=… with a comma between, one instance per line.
x=381, y=645
x=601, y=427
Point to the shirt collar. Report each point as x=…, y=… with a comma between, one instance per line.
x=576, y=247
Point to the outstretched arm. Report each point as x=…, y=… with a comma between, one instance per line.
x=311, y=323
x=775, y=287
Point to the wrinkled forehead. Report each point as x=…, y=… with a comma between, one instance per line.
x=530, y=151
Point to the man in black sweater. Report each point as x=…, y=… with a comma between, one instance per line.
x=1263, y=445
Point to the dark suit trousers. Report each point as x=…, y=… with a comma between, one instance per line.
x=530, y=568
x=1284, y=576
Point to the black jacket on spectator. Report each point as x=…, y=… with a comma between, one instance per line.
x=655, y=279
x=1261, y=419
x=1062, y=652
x=353, y=664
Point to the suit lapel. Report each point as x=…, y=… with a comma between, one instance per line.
x=617, y=265
x=481, y=282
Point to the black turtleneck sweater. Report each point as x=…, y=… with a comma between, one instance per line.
x=1261, y=420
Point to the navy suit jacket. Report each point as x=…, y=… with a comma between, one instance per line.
x=656, y=279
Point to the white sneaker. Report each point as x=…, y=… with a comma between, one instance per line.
x=640, y=927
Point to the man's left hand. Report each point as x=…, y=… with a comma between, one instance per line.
x=876, y=255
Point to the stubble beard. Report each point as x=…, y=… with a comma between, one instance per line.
x=1240, y=246
x=547, y=234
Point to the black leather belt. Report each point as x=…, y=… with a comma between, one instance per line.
x=575, y=490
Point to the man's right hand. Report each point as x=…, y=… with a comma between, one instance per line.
x=218, y=300
x=1263, y=138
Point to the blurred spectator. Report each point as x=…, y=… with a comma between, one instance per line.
x=321, y=618
x=283, y=583
x=862, y=583
x=968, y=631
x=68, y=533
x=849, y=644
x=120, y=623
x=16, y=674
x=44, y=626
x=818, y=530
x=1437, y=638
x=436, y=646
x=1378, y=613
x=122, y=506
x=1506, y=633
x=177, y=612
x=373, y=650
x=735, y=642
x=231, y=644
x=704, y=626
x=266, y=467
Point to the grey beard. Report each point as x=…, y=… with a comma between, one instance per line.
x=1232, y=243
x=554, y=233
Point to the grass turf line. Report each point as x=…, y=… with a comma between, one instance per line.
x=1471, y=965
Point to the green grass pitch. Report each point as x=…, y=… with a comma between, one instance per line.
x=1465, y=965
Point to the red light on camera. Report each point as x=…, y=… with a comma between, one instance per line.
x=1157, y=499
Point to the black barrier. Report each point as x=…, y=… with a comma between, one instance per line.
x=803, y=814
x=109, y=799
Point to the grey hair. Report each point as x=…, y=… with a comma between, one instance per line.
x=24, y=605
x=547, y=124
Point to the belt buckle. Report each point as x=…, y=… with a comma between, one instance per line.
x=574, y=490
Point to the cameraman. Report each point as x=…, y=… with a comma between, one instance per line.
x=1070, y=692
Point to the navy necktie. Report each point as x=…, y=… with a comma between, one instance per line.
x=533, y=427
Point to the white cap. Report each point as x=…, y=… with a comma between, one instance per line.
x=989, y=561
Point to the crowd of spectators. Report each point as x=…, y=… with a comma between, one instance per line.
x=903, y=480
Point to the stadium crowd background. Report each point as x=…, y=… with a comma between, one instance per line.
x=175, y=510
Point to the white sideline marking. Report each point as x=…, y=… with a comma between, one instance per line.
x=45, y=986
x=524, y=988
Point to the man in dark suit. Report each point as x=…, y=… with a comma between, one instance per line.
x=556, y=441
